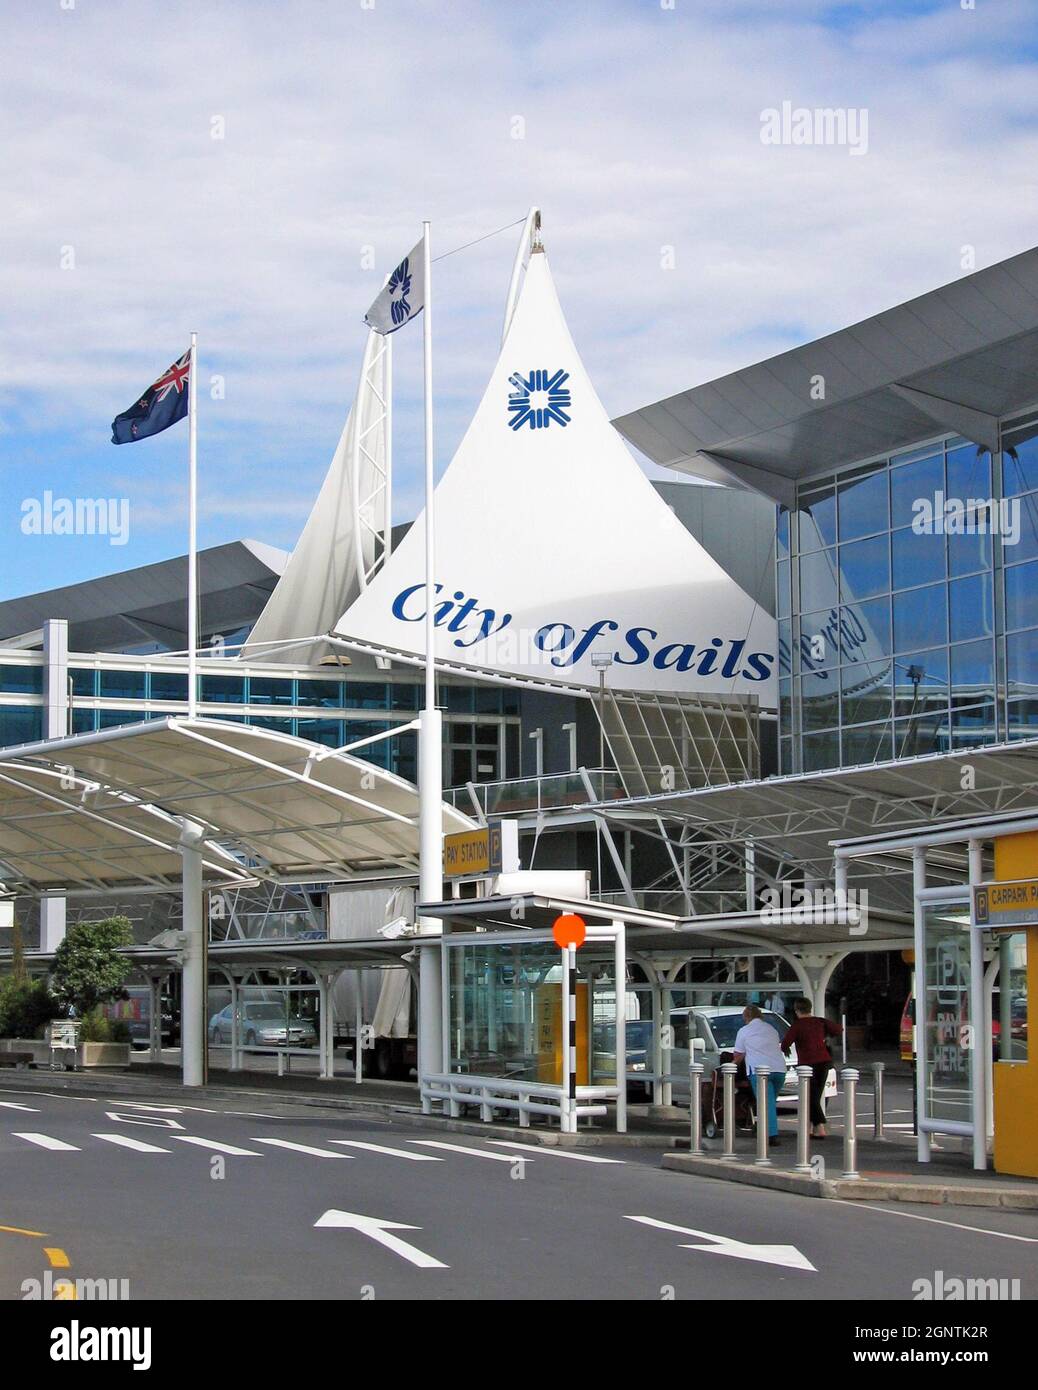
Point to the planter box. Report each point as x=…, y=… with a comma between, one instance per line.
x=103, y=1054
x=115, y=1055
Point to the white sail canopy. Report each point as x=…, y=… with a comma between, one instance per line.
x=345, y=538
x=552, y=545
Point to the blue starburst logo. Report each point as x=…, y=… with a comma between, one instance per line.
x=539, y=399
x=399, y=288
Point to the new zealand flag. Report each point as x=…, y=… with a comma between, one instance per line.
x=162, y=405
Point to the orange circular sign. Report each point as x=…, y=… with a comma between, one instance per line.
x=569, y=930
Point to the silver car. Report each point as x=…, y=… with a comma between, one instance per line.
x=263, y=1025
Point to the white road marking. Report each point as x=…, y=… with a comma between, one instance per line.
x=386, y=1149
x=152, y=1121
x=936, y=1221
x=787, y=1255
x=297, y=1148
x=215, y=1144
x=46, y=1142
x=464, y=1149
x=380, y=1231
x=13, y=1105
x=552, y=1152
x=137, y=1145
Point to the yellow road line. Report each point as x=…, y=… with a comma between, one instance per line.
x=58, y=1258
x=17, y=1231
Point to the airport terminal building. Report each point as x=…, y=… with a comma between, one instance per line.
x=820, y=674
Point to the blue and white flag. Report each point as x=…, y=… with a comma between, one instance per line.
x=403, y=296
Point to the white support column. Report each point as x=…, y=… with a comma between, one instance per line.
x=981, y=1036
x=620, y=970
x=990, y=975
x=192, y=1011
x=919, y=923
x=236, y=1062
x=155, y=1019
x=751, y=876
x=323, y=994
x=57, y=722
x=358, y=1029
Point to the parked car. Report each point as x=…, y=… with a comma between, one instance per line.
x=711, y=1030
x=263, y=1025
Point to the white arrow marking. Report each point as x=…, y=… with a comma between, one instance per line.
x=154, y=1121
x=552, y=1152
x=787, y=1255
x=380, y=1231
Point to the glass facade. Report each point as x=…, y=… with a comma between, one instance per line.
x=907, y=598
x=333, y=711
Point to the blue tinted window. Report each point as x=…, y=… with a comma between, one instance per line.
x=1025, y=525
x=168, y=685
x=864, y=569
x=459, y=698
x=223, y=689
x=84, y=682
x=1022, y=663
x=785, y=645
x=782, y=588
x=328, y=732
x=21, y=680
x=913, y=483
x=817, y=581
x=920, y=618
x=819, y=640
x=782, y=533
x=817, y=520
x=1022, y=596
x=971, y=607
x=115, y=718
x=973, y=670
x=916, y=559
x=866, y=745
x=269, y=690
x=1020, y=462
x=329, y=694
x=1023, y=718
x=820, y=751
x=403, y=697
x=865, y=630
x=84, y=721
x=863, y=505
x=20, y=724
x=820, y=700
x=914, y=738
x=280, y=725
x=866, y=692
x=123, y=685
x=968, y=553
x=921, y=681
x=969, y=473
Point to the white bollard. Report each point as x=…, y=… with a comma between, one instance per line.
x=850, y=1122
x=877, y=1100
x=728, y=1071
x=762, y=1158
x=695, y=1107
x=803, y=1164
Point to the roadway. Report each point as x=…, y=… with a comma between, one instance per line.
x=278, y=1200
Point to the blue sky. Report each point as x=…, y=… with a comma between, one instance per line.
x=344, y=124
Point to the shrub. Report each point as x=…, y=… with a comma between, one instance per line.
x=26, y=1007
x=98, y=1028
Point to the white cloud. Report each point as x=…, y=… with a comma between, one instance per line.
x=345, y=126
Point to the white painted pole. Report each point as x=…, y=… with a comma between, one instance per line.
x=620, y=968
x=192, y=1008
x=919, y=943
x=981, y=1044
x=358, y=1027
x=192, y=532
x=430, y=755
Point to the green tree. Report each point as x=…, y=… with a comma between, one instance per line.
x=88, y=971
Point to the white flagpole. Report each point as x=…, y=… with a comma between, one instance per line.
x=430, y=769
x=192, y=534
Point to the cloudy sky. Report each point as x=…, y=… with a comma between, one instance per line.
x=635, y=125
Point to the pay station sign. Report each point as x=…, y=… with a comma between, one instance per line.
x=1006, y=904
x=470, y=853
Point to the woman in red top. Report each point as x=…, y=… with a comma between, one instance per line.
x=810, y=1035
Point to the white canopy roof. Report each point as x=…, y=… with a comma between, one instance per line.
x=280, y=807
x=553, y=544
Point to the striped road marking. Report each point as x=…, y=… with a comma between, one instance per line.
x=553, y=1152
x=215, y=1144
x=46, y=1142
x=386, y=1149
x=297, y=1148
x=464, y=1149
x=137, y=1145
x=13, y=1105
